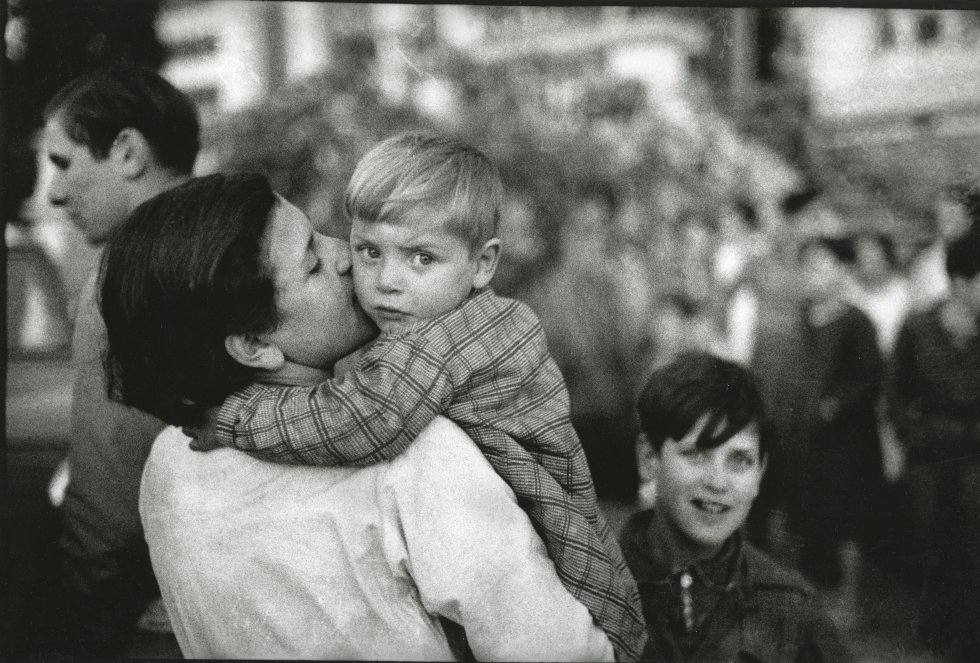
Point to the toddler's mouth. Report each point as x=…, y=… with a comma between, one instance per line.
x=389, y=314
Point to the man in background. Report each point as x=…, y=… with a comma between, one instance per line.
x=113, y=138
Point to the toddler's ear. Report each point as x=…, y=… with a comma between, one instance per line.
x=487, y=263
x=249, y=351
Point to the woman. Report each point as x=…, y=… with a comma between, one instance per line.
x=218, y=283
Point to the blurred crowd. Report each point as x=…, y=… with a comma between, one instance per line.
x=644, y=229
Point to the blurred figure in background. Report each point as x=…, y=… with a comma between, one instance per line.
x=740, y=248
x=879, y=290
x=877, y=287
x=114, y=138
x=951, y=219
x=935, y=405
x=836, y=470
x=578, y=305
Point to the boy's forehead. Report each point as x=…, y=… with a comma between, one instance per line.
x=410, y=227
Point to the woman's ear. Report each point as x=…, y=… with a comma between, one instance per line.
x=131, y=153
x=249, y=351
x=487, y=263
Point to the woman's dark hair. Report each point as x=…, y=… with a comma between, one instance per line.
x=677, y=395
x=96, y=106
x=182, y=273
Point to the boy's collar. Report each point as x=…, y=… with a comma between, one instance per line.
x=660, y=550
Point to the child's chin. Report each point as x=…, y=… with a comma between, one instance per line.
x=388, y=327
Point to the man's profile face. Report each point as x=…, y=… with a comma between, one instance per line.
x=90, y=190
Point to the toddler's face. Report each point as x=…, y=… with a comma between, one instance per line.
x=404, y=273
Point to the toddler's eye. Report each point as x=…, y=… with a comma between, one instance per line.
x=369, y=252
x=423, y=259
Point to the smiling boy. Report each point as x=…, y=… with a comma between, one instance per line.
x=707, y=594
x=424, y=212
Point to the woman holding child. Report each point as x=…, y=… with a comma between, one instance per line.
x=208, y=288
x=219, y=283
x=420, y=538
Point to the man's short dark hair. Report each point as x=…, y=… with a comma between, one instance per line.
x=182, y=273
x=694, y=384
x=963, y=256
x=96, y=106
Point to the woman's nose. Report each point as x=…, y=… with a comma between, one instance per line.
x=56, y=191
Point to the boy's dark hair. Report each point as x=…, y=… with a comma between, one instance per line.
x=182, y=273
x=95, y=107
x=456, y=182
x=677, y=395
x=963, y=256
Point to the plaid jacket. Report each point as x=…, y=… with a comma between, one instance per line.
x=486, y=366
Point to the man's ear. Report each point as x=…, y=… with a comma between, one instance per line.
x=249, y=351
x=487, y=263
x=131, y=153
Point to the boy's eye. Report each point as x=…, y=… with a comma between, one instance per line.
x=370, y=252
x=424, y=259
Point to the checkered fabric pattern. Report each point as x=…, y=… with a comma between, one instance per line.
x=486, y=366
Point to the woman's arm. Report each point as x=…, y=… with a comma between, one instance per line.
x=401, y=383
x=476, y=559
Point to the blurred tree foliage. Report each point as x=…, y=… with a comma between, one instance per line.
x=308, y=136
x=554, y=126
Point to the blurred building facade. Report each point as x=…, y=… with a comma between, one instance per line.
x=891, y=96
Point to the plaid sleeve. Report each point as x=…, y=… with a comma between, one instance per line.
x=375, y=411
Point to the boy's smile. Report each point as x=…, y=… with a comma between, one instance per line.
x=706, y=494
x=407, y=272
